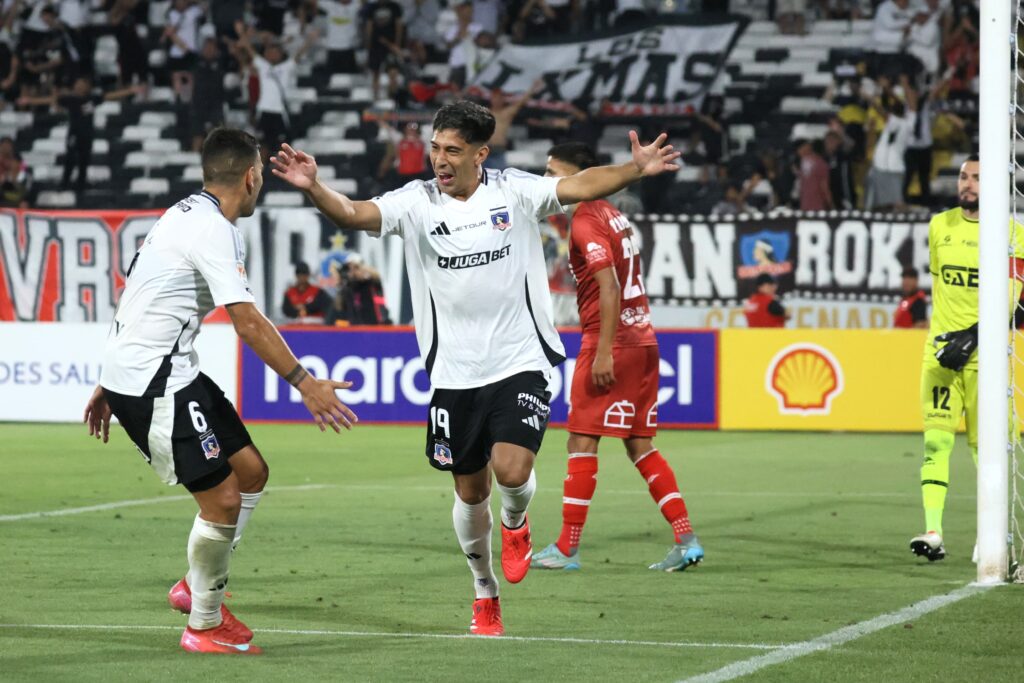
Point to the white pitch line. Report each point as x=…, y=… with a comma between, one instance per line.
x=61, y=512
x=639, y=491
x=839, y=637
x=435, y=636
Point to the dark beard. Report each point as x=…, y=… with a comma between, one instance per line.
x=968, y=205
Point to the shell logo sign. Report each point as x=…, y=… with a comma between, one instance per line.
x=804, y=378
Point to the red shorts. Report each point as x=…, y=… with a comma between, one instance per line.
x=627, y=408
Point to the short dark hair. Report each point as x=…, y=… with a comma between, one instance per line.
x=909, y=271
x=972, y=157
x=579, y=154
x=227, y=154
x=473, y=122
x=764, y=279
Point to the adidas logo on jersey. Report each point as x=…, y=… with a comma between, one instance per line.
x=441, y=229
x=533, y=421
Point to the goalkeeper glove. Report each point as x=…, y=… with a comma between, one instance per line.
x=958, y=349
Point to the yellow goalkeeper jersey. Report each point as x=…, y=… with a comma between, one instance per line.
x=953, y=262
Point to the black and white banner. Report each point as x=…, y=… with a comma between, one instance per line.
x=666, y=68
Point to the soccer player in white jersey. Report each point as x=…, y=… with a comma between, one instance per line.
x=483, y=316
x=192, y=260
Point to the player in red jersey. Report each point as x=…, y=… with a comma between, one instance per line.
x=615, y=384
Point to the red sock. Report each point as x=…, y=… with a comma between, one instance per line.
x=662, y=483
x=578, y=489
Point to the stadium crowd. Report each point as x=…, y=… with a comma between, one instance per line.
x=898, y=107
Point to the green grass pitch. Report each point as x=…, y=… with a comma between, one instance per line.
x=805, y=534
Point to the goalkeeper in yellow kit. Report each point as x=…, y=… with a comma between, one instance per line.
x=949, y=375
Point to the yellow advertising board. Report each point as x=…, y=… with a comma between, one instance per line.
x=821, y=379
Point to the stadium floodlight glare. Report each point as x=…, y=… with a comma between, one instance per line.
x=997, y=39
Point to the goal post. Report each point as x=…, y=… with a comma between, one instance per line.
x=998, y=42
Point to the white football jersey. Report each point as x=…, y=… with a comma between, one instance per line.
x=477, y=276
x=192, y=260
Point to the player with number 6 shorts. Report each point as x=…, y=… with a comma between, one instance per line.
x=615, y=383
x=949, y=373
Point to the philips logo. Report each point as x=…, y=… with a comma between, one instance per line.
x=473, y=260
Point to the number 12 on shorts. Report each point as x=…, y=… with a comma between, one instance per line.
x=940, y=398
x=439, y=420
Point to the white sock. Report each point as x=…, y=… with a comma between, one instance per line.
x=473, y=529
x=249, y=502
x=514, y=502
x=209, y=554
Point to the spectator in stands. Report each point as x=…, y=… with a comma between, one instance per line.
x=16, y=189
x=275, y=71
x=815, y=190
x=74, y=17
x=342, y=37
x=890, y=32
x=181, y=37
x=505, y=111
x=270, y=20
x=925, y=36
x=487, y=13
x=885, y=180
x=532, y=19
x=10, y=66
x=304, y=302
x=838, y=146
x=763, y=308
x=963, y=58
x=423, y=40
x=208, y=81
x=918, y=157
x=566, y=13
x=759, y=188
x=79, y=102
x=404, y=160
x=791, y=16
x=360, y=298
x=124, y=17
x=384, y=33
x=460, y=40
x=712, y=128
x=577, y=124
x=734, y=201
x=912, y=311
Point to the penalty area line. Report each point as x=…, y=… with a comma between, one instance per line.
x=839, y=637
x=434, y=636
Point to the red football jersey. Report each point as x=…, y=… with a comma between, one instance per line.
x=600, y=237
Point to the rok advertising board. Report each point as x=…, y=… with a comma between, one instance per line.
x=391, y=384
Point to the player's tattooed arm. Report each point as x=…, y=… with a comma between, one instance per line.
x=296, y=376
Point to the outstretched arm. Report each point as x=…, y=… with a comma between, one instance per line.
x=262, y=337
x=601, y=181
x=299, y=169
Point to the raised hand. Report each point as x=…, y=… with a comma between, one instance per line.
x=653, y=159
x=324, y=406
x=295, y=167
x=97, y=415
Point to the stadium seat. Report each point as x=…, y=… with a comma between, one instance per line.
x=283, y=198
x=346, y=186
x=149, y=186
x=59, y=200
